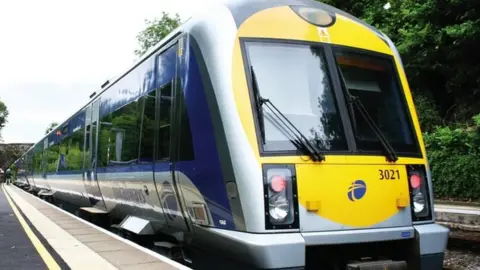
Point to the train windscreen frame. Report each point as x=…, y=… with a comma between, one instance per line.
x=282, y=65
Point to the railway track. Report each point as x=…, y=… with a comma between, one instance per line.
x=463, y=251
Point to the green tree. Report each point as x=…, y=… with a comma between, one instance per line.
x=51, y=127
x=155, y=31
x=8, y=154
x=454, y=153
x=3, y=115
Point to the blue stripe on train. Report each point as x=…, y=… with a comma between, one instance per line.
x=205, y=171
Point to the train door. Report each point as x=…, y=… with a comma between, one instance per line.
x=90, y=179
x=168, y=189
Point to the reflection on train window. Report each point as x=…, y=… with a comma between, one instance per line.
x=372, y=79
x=147, y=127
x=104, y=141
x=119, y=136
x=163, y=152
x=71, y=152
x=295, y=78
x=51, y=158
x=75, y=150
x=30, y=162
x=37, y=160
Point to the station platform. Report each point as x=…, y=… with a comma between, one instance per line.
x=37, y=235
x=458, y=216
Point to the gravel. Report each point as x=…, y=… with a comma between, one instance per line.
x=463, y=252
x=461, y=260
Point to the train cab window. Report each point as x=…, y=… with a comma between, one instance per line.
x=164, y=123
x=295, y=79
x=372, y=80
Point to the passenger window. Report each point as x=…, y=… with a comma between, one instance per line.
x=62, y=158
x=71, y=152
x=52, y=158
x=119, y=136
x=147, y=127
x=75, y=150
x=37, y=160
x=164, y=124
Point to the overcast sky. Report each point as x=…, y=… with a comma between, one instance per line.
x=54, y=54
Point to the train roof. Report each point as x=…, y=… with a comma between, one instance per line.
x=240, y=10
x=243, y=9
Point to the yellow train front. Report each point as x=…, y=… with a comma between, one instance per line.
x=321, y=110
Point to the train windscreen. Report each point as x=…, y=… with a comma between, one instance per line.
x=297, y=81
x=294, y=78
x=373, y=81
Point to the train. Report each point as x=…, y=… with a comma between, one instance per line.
x=276, y=134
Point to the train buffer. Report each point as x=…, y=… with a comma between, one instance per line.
x=461, y=216
x=37, y=235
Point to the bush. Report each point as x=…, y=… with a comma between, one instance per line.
x=428, y=114
x=454, y=156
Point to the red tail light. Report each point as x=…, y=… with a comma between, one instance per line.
x=278, y=183
x=415, y=181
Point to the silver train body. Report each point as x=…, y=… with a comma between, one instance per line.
x=204, y=187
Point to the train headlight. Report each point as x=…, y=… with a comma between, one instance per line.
x=318, y=17
x=281, y=203
x=278, y=207
x=418, y=202
x=418, y=183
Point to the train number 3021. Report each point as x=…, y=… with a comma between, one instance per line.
x=389, y=174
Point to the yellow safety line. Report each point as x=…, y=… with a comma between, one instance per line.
x=47, y=258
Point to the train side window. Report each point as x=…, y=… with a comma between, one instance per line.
x=37, y=161
x=75, y=150
x=105, y=140
x=147, y=127
x=71, y=152
x=119, y=136
x=51, y=158
x=62, y=164
x=163, y=150
x=30, y=162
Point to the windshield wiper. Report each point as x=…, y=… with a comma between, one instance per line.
x=258, y=103
x=301, y=141
x=390, y=152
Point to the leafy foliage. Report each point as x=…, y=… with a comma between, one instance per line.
x=50, y=127
x=454, y=155
x=155, y=31
x=3, y=115
x=8, y=154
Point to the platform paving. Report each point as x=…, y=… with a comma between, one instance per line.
x=82, y=245
x=16, y=249
x=463, y=217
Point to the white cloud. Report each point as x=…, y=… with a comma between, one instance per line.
x=54, y=54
